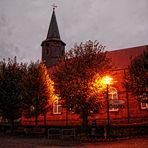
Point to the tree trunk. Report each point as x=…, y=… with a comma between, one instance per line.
x=45, y=119
x=36, y=110
x=84, y=122
x=36, y=119
x=12, y=125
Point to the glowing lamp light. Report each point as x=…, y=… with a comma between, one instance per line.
x=107, y=80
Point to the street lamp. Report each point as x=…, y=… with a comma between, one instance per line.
x=107, y=80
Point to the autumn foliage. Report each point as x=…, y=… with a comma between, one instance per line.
x=25, y=90
x=138, y=77
x=75, y=76
x=38, y=92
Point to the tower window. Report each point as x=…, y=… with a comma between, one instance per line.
x=47, y=51
x=62, y=52
x=47, y=44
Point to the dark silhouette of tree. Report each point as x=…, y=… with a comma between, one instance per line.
x=138, y=77
x=11, y=89
x=38, y=91
x=74, y=76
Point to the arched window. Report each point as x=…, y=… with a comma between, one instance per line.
x=113, y=95
x=144, y=105
x=56, y=107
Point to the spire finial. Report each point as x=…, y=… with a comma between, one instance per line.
x=54, y=6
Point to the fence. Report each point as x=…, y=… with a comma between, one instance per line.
x=79, y=122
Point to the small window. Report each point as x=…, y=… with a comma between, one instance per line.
x=0, y=67
x=144, y=97
x=1, y=118
x=144, y=105
x=113, y=95
x=47, y=44
x=63, y=52
x=57, y=107
x=47, y=51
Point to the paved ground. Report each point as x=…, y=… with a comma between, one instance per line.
x=13, y=142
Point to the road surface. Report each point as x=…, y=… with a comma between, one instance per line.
x=21, y=142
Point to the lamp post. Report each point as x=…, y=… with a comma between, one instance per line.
x=108, y=115
x=107, y=80
x=66, y=116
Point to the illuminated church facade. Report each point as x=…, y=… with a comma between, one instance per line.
x=133, y=111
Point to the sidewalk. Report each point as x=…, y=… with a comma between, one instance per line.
x=25, y=142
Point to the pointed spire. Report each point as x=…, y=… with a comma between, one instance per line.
x=53, y=31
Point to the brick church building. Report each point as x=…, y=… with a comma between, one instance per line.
x=132, y=112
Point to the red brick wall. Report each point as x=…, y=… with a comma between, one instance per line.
x=120, y=59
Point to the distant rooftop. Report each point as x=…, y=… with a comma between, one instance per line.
x=121, y=58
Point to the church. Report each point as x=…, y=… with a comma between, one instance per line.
x=133, y=111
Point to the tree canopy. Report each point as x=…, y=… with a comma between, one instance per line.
x=11, y=89
x=138, y=77
x=75, y=75
x=24, y=90
x=38, y=90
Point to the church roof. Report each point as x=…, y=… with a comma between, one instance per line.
x=121, y=59
x=53, y=31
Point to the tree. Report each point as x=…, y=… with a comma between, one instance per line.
x=138, y=77
x=11, y=89
x=74, y=76
x=38, y=91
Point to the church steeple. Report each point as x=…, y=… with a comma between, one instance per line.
x=52, y=47
x=53, y=31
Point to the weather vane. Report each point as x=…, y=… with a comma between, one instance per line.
x=54, y=6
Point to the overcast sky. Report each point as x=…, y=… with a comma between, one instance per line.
x=114, y=23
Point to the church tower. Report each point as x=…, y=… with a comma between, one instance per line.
x=52, y=47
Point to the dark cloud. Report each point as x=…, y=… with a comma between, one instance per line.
x=114, y=23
